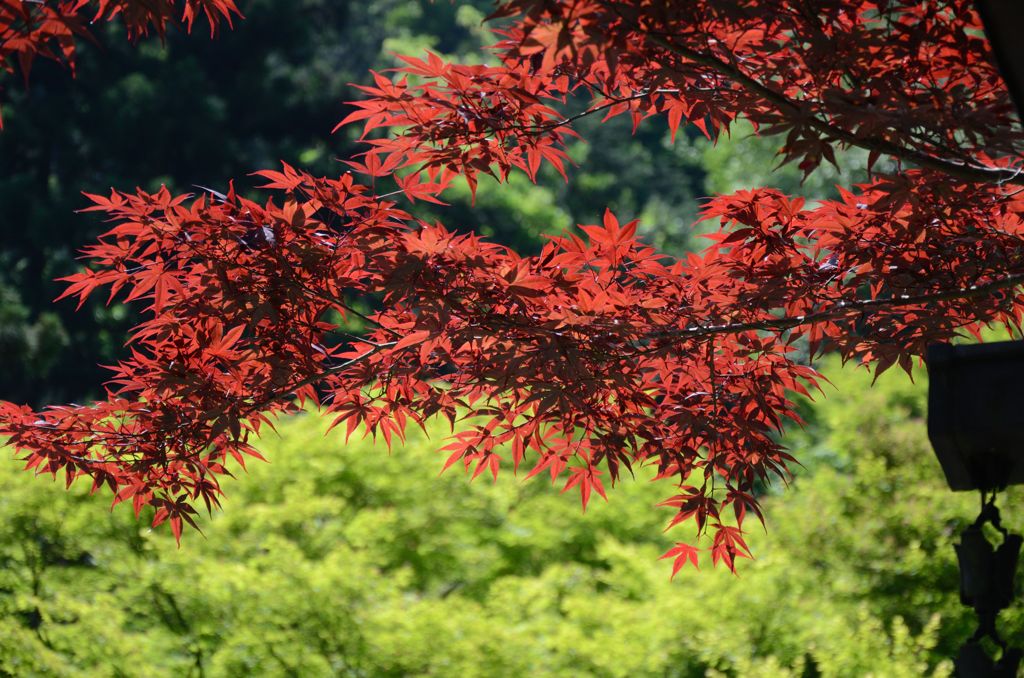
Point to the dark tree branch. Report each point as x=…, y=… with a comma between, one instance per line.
x=843, y=308
x=783, y=103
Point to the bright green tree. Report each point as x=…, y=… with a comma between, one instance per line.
x=342, y=560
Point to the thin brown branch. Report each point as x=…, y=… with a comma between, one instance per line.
x=841, y=309
x=790, y=107
x=609, y=102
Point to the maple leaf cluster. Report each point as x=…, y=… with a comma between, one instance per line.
x=599, y=354
x=49, y=28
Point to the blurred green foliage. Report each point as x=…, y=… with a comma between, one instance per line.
x=338, y=559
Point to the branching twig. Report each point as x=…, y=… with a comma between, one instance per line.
x=840, y=309
x=950, y=167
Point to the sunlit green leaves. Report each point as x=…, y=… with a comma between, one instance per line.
x=343, y=560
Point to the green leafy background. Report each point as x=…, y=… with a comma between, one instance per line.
x=343, y=559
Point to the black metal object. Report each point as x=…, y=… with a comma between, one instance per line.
x=976, y=419
x=987, y=585
x=1003, y=20
x=976, y=425
x=976, y=413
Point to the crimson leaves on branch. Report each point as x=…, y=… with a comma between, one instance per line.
x=599, y=354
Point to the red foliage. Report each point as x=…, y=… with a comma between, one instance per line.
x=48, y=28
x=598, y=354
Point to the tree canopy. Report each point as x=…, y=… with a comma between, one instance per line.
x=598, y=355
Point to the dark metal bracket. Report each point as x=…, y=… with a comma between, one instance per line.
x=987, y=585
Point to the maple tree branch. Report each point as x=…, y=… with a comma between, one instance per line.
x=610, y=101
x=289, y=392
x=693, y=332
x=955, y=169
x=842, y=308
x=261, y=405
